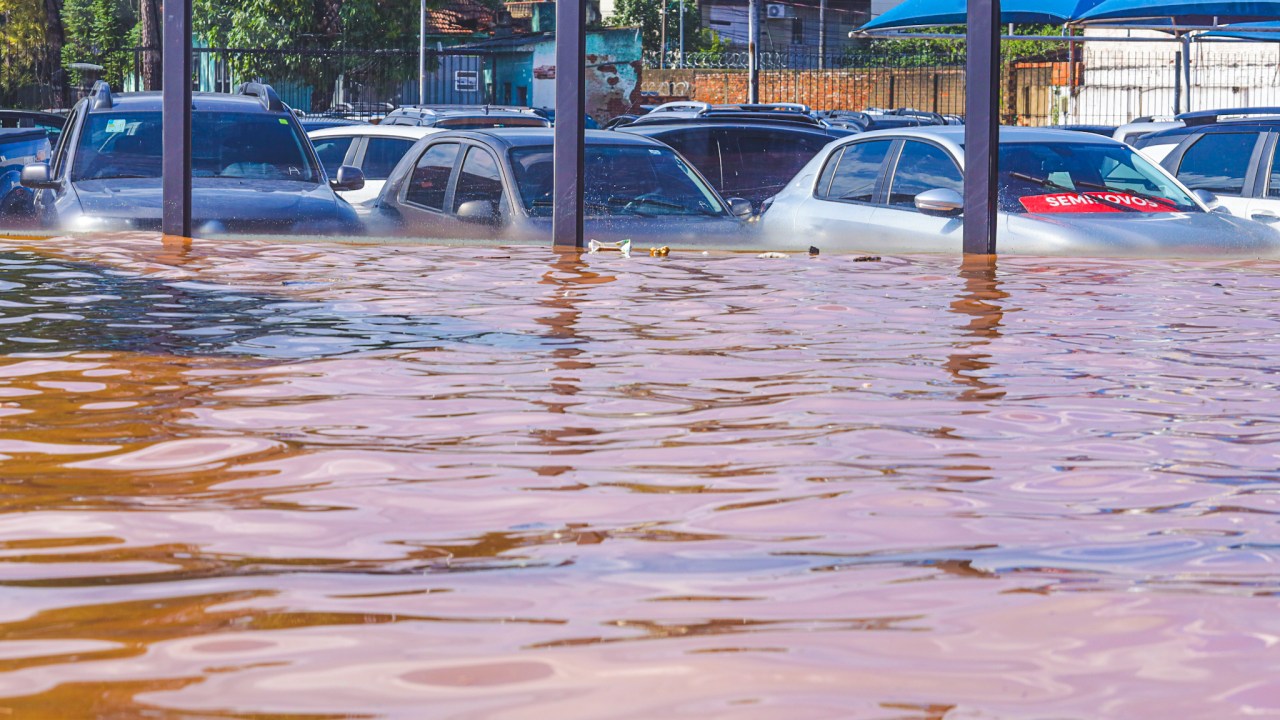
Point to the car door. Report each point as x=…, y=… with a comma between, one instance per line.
x=423, y=198
x=918, y=166
x=1220, y=162
x=845, y=194
x=1265, y=206
x=479, y=181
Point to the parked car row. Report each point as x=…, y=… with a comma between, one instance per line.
x=743, y=177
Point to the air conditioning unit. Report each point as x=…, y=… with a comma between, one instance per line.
x=778, y=11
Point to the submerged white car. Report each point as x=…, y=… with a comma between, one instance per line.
x=375, y=149
x=1061, y=193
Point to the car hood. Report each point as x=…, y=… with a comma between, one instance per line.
x=1136, y=234
x=233, y=205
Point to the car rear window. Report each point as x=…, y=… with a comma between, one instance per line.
x=249, y=146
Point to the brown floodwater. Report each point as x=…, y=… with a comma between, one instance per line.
x=256, y=480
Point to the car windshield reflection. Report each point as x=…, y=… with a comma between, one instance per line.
x=621, y=180
x=250, y=146
x=1079, y=177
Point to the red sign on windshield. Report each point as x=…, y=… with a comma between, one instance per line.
x=1094, y=202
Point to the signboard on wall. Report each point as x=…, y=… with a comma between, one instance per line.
x=466, y=81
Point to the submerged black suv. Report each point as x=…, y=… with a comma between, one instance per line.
x=253, y=168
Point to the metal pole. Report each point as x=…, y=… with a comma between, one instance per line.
x=681, y=64
x=822, y=34
x=1186, y=66
x=1177, y=82
x=570, y=141
x=422, y=52
x=175, y=132
x=753, y=51
x=981, y=126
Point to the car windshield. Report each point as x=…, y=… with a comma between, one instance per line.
x=1084, y=177
x=621, y=180
x=256, y=146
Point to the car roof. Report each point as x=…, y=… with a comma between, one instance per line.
x=409, y=132
x=673, y=125
x=952, y=136
x=536, y=136
x=200, y=102
x=1225, y=126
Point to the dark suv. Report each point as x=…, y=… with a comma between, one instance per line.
x=749, y=151
x=1229, y=153
x=465, y=117
x=253, y=168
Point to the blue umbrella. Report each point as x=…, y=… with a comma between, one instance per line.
x=1189, y=12
x=926, y=13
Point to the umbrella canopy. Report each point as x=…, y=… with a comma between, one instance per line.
x=1256, y=31
x=926, y=13
x=1189, y=12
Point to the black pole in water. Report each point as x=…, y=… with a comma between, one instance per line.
x=981, y=125
x=175, y=216
x=571, y=108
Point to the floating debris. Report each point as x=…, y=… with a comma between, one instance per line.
x=623, y=247
x=867, y=258
x=813, y=250
x=771, y=255
x=659, y=251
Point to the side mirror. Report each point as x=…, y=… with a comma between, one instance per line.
x=38, y=176
x=1210, y=200
x=740, y=207
x=940, y=201
x=481, y=212
x=348, y=178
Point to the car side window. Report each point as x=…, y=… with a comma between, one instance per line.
x=922, y=166
x=332, y=151
x=479, y=180
x=851, y=177
x=60, y=155
x=430, y=180
x=1218, y=162
x=381, y=155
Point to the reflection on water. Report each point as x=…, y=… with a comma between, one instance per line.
x=308, y=481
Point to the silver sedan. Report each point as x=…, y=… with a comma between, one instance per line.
x=1061, y=193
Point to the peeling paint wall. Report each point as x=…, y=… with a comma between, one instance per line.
x=613, y=73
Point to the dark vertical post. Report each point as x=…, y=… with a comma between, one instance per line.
x=571, y=107
x=753, y=51
x=981, y=126
x=175, y=218
x=1177, y=82
x=822, y=34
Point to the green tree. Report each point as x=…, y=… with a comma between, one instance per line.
x=647, y=15
x=95, y=32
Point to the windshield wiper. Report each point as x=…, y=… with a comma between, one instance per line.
x=1135, y=193
x=1046, y=182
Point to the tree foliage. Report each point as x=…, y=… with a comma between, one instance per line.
x=647, y=15
x=97, y=32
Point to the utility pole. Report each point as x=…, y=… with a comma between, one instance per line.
x=175, y=120
x=662, y=50
x=753, y=51
x=570, y=140
x=981, y=125
x=422, y=52
x=822, y=34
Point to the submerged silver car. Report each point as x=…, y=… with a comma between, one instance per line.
x=1060, y=193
